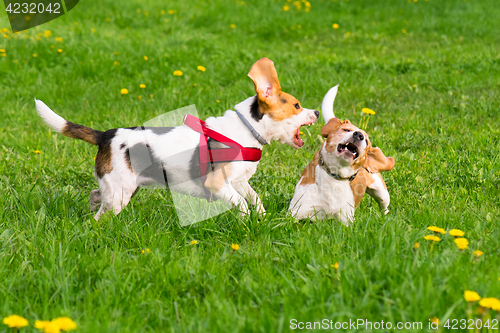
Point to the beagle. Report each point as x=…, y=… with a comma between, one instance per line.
x=270, y=115
x=346, y=167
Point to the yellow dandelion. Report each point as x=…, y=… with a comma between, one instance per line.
x=435, y=320
x=151, y=96
x=201, y=68
x=456, y=233
x=94, y=29
x=59, y=39
x=471, y=296
x=416, y=246
x=172, y=11
x=335, y=26
x=47, y=33
x=336, y=265
x=115, y=53
x=65, y=323
x=15, y=321
x=194, y=84
x=462, y=243
x=116, y=63
x=51, y=327
x=142, y=86
x=177, y=73
x=235, y=247
x=490, y=303
x=37, y=151
x=194, y=242
x=146, y=58
x=124, y=91
x=41, y=324
x=2, y=50
x=162, y=12
x=432, y=238
x=286, y=8
x=436, y=229
x=5, y=30
x=347, y=34
x=35, y=55
x=368, y=111
x=233, y=26
x=478, y=253
x=217, y=101
x=404, y=31
x=308, y=4
x=3, y=55
x=140, y=97
x=59, y=50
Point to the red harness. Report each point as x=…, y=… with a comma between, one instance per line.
x=235, y=152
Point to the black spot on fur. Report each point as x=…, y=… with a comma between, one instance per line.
x=255, y=110
x=141, y=160
x=284, y=101
x=194, y=164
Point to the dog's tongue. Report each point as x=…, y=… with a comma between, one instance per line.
x=298, y=141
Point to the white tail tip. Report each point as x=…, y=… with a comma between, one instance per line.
x=327, y=105
x=55, y=121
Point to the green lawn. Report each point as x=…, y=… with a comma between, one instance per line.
x=429, y=69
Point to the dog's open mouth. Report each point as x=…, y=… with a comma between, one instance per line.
x=350, y=148
x=296, y=137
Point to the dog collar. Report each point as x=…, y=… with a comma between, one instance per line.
x=322, y=164
x=250, y=127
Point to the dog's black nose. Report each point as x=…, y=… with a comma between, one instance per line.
x=358, y=136
x=316, y=113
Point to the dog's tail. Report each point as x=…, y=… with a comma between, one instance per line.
x=67, y=128
x=327, y=105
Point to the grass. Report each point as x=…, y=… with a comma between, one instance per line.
x=434, y=88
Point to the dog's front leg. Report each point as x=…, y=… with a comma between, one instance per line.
x=247, y=192
x=217, y=183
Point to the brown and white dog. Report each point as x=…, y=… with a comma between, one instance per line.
x=274, y=114
x=346, y=167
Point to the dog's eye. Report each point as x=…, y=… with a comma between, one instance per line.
x=346, y=130
x=297, y=106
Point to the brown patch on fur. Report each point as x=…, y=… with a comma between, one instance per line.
x=81, y=132
x=103, y=160
x=309, y=173
x=276, y=104
x=359, y=184
x=217, y=178
x=104, y=155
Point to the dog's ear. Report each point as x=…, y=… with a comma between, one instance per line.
x=332, y=126
x=265, y=79
x=376, y=161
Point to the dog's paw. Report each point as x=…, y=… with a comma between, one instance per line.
x=95, y=199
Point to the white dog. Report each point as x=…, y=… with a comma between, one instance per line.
x=347, y=165
x=176, y=152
